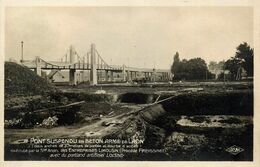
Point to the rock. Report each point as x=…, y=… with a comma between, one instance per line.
x=49, y=122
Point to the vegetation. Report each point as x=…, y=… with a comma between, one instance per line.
x=20, y=80
x=196, y=68
x=244, y=58
x=193, y=69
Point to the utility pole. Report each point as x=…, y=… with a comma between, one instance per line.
x=22, y=51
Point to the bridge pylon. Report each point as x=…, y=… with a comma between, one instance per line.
x=72, y=77
x=72, y=55
x=38, y=66
x=93, y=70
x=72, y=72
x=124, y=73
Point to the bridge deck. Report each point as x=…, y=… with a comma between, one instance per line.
x=86, y=66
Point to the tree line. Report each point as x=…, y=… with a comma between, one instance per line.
x=197, y=68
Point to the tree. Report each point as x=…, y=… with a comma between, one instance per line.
x=197, y=69
x=193, y=69
x=244, y=52
x=176, y=58
x=232, y=65
x=221, y=65
x=177, y=66
x=176, y=63
x=244, y=57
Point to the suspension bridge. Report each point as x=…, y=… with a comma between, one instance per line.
x=93, y=62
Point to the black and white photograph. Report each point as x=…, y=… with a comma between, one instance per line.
x=129, y=83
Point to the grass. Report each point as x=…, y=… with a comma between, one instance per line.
x=20, y=80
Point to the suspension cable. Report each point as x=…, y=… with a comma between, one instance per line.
x=103, y=60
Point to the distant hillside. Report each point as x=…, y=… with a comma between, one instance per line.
x=20, y=80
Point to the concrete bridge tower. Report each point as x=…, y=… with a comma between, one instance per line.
x=72, y=55
x=93, y=71
x=72, y=72
x=38, y=66
x=124, y=73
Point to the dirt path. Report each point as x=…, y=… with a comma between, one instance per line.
x=106, y=125
x=102, y=127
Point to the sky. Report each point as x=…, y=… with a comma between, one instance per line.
x=135, y=36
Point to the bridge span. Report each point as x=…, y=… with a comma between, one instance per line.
x=93, y=62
